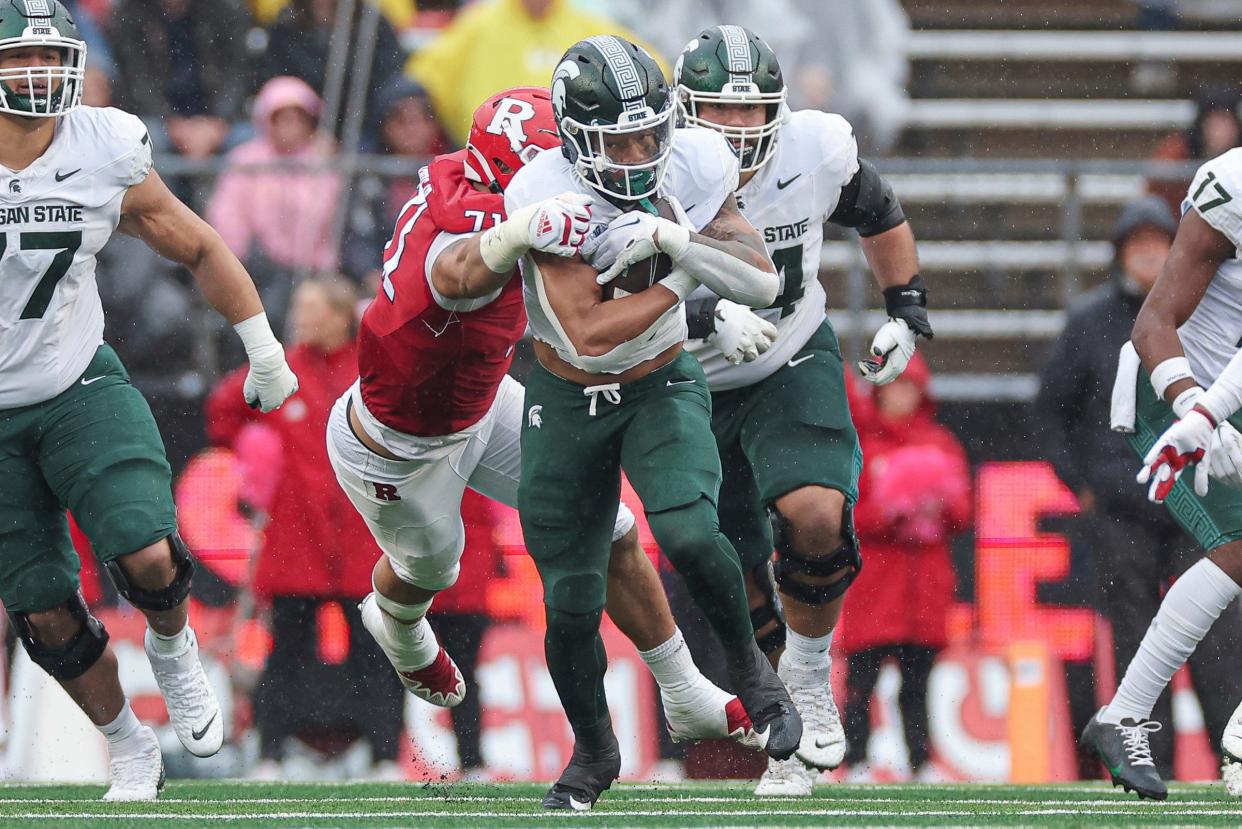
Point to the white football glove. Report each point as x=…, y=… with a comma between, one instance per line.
x=270, y=381
x=1188, y=441
x=559, y=225
x=741, y=335
x=1224, y=457
x=602, y=249
x=891, y=351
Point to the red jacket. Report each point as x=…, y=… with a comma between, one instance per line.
x=914, y=495
x=315, y=543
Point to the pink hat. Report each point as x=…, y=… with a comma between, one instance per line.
x=279, y=93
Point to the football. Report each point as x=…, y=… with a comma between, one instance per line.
x=643, y=274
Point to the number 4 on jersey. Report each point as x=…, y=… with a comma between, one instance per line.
x=67, y=243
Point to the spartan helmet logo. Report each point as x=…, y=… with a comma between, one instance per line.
x=509, y=121
x=15, y=186
x=534, y=417
x=567, y=71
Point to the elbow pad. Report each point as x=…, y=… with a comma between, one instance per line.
x=868, y=203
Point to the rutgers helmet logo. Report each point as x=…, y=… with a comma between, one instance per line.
x=509, y=121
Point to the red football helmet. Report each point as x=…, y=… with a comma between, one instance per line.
x=509, y=130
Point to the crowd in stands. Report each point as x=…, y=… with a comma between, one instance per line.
x=247, y=83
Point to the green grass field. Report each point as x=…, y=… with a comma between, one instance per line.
x=232, y=804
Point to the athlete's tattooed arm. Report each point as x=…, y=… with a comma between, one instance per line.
x=732, y=233
x=729, y=257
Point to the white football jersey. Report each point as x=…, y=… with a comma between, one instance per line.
x=788, y=201
x=55, y=215
x=702, y=173
x=1213, y=333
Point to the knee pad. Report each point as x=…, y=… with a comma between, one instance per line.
x=792, y=566
x=577, y=594
x=74, y=658
x=767, y=613
x=165, y=598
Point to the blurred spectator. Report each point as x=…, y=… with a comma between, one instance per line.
x=279, y=222
x=299, y=45
x=915, y=495
x=497, y=44
x=847, y=56
x=460, y=619
x=100, y=68
x=1216, y=128
x=400, y=13
x=1138, y=547
x=182, y=65
x=407, y=129
x=317, y=553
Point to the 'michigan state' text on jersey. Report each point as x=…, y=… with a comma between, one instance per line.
x=55, y=216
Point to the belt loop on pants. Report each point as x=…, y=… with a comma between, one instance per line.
x=612, y=393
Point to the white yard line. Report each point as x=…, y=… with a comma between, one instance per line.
x=615, y=815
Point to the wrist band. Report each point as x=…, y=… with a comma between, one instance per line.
x=1169, y=372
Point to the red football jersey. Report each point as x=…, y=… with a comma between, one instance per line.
x=426, y=370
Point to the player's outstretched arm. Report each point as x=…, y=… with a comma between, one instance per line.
x=728, y=255
x=483, y=263
x=151, y=212
x=593, y=330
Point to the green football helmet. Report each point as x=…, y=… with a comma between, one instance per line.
x=732, y=65
x=40, y=91
x=614, y=112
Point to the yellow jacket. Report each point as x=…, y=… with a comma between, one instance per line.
x=495, y=45
x=399, y=12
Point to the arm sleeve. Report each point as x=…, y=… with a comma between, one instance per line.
x=226, y=410
x=868, y=203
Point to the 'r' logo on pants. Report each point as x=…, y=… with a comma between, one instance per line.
x=385, y=492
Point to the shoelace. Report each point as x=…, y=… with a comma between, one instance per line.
x=611, y=392
x=1136, y=741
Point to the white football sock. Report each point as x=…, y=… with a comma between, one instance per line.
x=410, y=647
x=670, y=662
x=807, y=654
x=1192, y=605
x=125, y=725
x=173, y=645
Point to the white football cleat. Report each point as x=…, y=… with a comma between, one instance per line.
x=1231, y=754
x=137, y=772
x=702, y=711
x=439, y=683
x=786, y=778
x=823, y=736
x=192, y=706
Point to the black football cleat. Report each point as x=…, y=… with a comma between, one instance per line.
x=589, y=774
x=1125, y=750
x=766, y=700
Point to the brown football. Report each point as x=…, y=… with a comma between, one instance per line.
x=643, y=274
